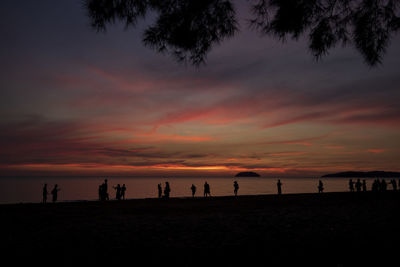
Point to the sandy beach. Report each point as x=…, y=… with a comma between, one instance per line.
x=187, y=232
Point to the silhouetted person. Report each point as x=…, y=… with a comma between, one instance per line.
x=159, y=190
x=358, y=185
x=207, y=189
x=375, y=186
x=235, y=187
x=118, y=192
x=54, y=192
x=383, y=185
x=123, y=190
x=279, y=185
x=394, y=185
x=45, y=193
x=351, y=185
x=320, y=187
x=364, y=186
x=167, y=190
x=103, y=191
x=193, y=188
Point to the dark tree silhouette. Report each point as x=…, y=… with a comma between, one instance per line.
x=188, y=29
x=367, y=24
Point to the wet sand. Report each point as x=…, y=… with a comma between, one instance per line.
x=246, y=230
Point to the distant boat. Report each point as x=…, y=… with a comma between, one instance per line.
x=247, y=174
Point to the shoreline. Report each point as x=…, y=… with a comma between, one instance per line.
x=195, y=198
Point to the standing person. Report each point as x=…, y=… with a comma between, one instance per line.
x=118, y=192
x=159, y=190
x=358, y=185
x=123, y=190
x=105, y=190
x=320, y=187
x=375, y=186
x=383, y=185
x=235, y=187
x=193, y=188
x=279, y=185
x=54, y=192
x=394, y=184
x=45, y=193
x=364, y=186
x=167, y=190
x=351, y=185
x=207, y=190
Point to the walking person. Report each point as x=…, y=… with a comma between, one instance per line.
x=193, y=188
x=44, y=193
x=54, y=192
x=279, y=185
x=235, y=187
x=320, y=187
x=207, y=192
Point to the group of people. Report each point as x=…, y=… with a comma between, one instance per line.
x=119, y=191
x=381, y=186
x=54, y=193
x=193, y=188
x=377, y=185
x=167, y=190
x=357, y=186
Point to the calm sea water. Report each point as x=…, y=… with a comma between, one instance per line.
x=29, y=189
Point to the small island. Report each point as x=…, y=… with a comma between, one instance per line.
x=372, y=174
x=247, y=174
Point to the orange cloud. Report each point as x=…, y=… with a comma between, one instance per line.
x=77, y=166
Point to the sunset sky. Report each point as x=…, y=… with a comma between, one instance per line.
x=77, y=102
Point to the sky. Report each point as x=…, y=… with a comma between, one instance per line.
x=77, y=102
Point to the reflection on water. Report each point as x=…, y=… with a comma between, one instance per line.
x=29, y=189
